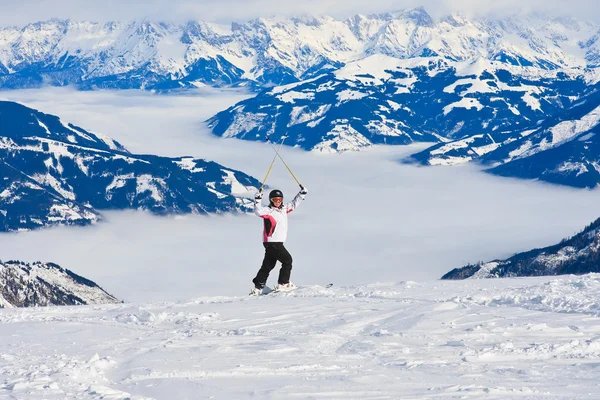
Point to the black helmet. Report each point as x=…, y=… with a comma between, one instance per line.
x=275, y=193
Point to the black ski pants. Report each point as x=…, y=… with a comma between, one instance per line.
x=274, y=251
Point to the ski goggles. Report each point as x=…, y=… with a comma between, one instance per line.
x=274, y=199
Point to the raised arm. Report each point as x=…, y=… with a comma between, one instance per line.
x=259, y=209
x=291, y=206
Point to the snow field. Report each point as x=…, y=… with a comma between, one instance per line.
x=528, y=338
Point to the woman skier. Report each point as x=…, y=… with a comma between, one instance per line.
x=274, y=235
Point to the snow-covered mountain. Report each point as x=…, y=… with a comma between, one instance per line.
x=57, y=173
x=562, y=148
x=264, y=51
x=579, y=254
x=386, y=100
x=43, y=284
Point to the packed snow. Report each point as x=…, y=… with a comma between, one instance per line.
x=495, y=339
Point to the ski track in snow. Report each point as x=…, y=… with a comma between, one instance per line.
x=495, y=339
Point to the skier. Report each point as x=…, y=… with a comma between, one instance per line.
x=274, y=235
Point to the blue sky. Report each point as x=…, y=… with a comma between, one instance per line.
x=19, y=12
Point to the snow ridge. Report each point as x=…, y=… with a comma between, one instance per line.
x=560, y=147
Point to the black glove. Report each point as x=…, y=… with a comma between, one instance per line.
x=303, y=190
x=258, y=196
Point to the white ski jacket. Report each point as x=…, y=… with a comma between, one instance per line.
x=276, y=220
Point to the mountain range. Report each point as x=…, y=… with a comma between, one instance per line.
x=273, y=51
x=55, y=173
x=43, y=284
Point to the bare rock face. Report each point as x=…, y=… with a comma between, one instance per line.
x=44, y=284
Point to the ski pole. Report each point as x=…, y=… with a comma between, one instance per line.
x=271, y=166
x=284, y=163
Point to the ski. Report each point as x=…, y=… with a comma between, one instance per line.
x=260, y=292
x=266, y=290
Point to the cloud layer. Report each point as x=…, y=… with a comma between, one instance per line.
x=19, y=12
x=366, y=219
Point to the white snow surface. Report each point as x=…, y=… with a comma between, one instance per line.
x=565, y=131
x=495, y=339
x=344, y=138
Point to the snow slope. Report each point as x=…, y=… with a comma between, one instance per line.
x=560, y=148
x=495, y=339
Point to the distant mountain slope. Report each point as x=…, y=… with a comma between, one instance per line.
x=265, y=51
x=562, y=148
x=56, y=173
x=574, y=163
x=44, y=284
x=385, y=100
x=25, y=204
x=579, y=254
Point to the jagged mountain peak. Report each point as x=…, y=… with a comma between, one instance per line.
x=455, y=20
x=311, y=19
x=418, y=15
